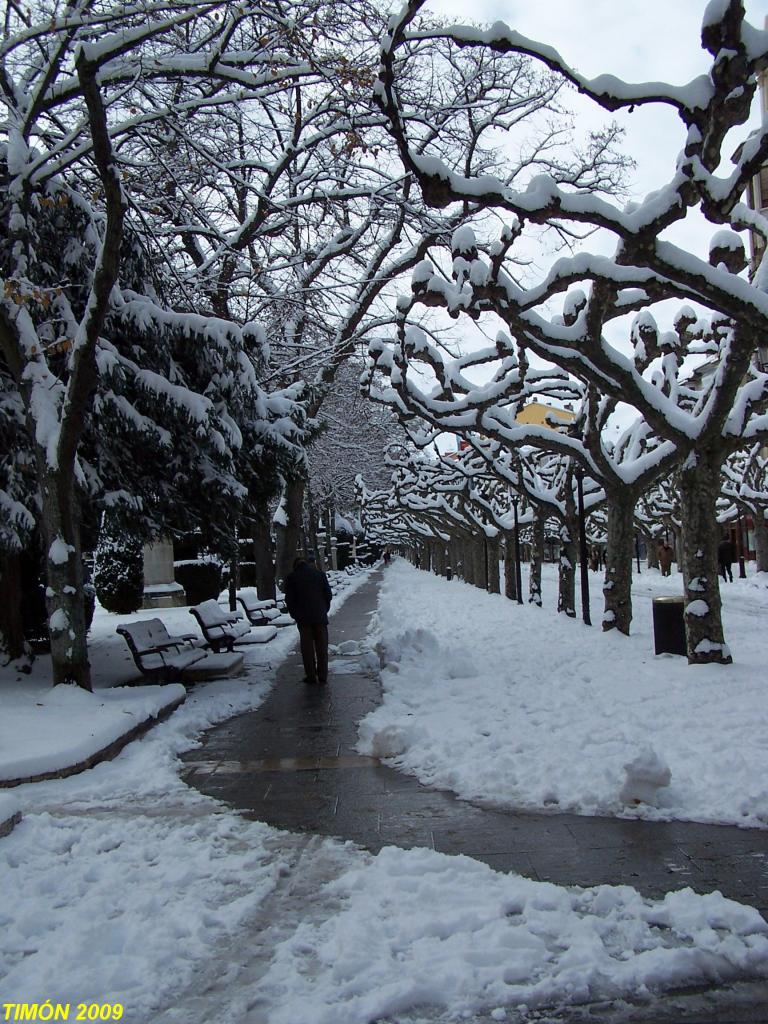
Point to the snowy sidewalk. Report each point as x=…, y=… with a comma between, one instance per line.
x=293, y=763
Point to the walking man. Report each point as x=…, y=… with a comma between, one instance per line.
x=665, y=558
x=308, y=598
x=725, y=558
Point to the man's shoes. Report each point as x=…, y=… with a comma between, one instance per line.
x=323, y=682
x=310, y=679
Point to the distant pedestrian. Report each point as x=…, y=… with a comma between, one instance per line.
x=594, y=558
x=665, y=558
x=725, y=559
x=387, y=557
x=308, y=598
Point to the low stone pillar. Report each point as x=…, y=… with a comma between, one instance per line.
x=160, y=587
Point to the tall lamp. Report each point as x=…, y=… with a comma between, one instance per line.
x=742, y=569
x=583, y=549
x=518, y=577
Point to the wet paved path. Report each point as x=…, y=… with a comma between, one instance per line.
x=292, y=763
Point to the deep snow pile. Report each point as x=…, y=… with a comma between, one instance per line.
x=451, y=933
x=521, y=706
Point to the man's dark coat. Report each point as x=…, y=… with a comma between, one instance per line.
x=308, y=595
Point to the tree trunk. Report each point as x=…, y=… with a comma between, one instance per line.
x=761, y=539
x=494, y=583
x=11, y=625
x=699, y=489
x=481, y=566
x=329, y=517
x=537, y=558
x=312, y=530
x=234, y=574
x=65, y=598
x=566, y=589
x=426, y=553
x=455, y=555
x=468, y=560
x=264, y=553
x=510, y=577
x=288, y=527
x=617, y=588
x=677, y=544
x=652, y=551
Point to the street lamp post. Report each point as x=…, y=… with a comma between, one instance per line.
x=583, y=550
x=637, y=551
x=742, y=569
x=518, y=577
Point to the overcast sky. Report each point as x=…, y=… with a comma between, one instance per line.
x=649, y=40
x=638, y=41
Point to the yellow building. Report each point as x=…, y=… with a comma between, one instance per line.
x=542, y=415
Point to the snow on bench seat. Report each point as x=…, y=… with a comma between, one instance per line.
x=223, y=629
x=258, y=613
x=157, y=654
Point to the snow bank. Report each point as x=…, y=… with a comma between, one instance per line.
x=9, y=805
x=451, y=933
x=110, y=907
x=529, y=709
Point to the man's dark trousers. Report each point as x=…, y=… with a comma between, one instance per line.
x=313, y=638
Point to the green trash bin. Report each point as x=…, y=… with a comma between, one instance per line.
x=669, y=625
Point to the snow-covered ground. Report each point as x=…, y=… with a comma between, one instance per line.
x=45, y=729
x=123, y=885
x=526, y=708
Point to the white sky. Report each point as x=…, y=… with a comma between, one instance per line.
x=652, y=40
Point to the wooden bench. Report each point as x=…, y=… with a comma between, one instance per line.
x=258, y=612
x=262, y=613
x=157, y=654
x=223, y=629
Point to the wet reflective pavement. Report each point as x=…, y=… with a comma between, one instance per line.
x=292, y=763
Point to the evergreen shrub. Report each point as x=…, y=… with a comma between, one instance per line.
x=200, y=578
x=118, y=574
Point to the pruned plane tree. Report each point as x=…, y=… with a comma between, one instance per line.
x=569, y=314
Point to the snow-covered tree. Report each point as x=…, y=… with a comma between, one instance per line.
x=705, y=417
x=745, y=486
x=353, y=437
x=292, y=210
x=73, y=90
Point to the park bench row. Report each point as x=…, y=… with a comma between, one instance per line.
x=162, y=657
